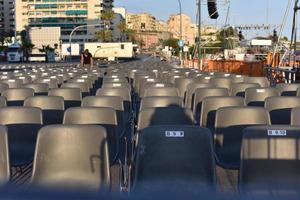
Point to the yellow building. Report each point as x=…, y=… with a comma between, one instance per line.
x=189, y=30
x=141, y=22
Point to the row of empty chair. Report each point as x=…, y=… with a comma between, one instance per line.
x=147, y=127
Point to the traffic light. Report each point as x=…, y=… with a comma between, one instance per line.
x=212, y=9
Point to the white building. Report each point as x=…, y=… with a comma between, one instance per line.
x=64, y=14
x=120, y=17
x=7, y=16
x=40, y=36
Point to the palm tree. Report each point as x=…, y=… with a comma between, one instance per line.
x=122, y=27
x=46, y=49
x=26, y=45
x=107, y=16
x=104, y=35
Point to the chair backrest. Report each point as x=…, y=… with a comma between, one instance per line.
x=229, y=124
x=191, y=88
x=115, y=102
x=52, y=108
x=52, y=83
x=238, y=89
x=163, y=91
x=123, y=92
x=84, y=87
x=23, y=124
x=159, y=84
x=221, y=82
x=158, y=102
x=211, y=104
x=62, y=166
x=45, y=102
x=181, y=84
x=262, y=81
x=106, y=117
x=39, y=88
x=270, y=161
x=72, y=96
x=295, y=117
x=110, y=102
x=288, y=89
x=164, y=116
x=16, y=97
x=2, y=102
x=280, y=108
x=13, y=83
x=3, y=86
x=4, y=157
x=201, y=93
x=257, y=96
x=192, y=168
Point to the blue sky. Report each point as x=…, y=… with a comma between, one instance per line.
x=242, y=11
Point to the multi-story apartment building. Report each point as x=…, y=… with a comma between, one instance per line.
x=2, y=16
x=161, y=26
x=189, y=30
x=7, y=15
x=66, y=14
x=141, y=22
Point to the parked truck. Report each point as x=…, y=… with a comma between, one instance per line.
x=110, y=51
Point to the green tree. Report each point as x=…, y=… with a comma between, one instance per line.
x=131, y=35
x=107, y=16
x=172, y=43
x=104, y=35
x=228, y=37
x=46, y=49
x=26, y=45
x=122, y=27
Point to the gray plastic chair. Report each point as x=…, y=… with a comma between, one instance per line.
x=295, y=117
x=191, y=88
x=16, y=97
x=220, y=82
x=211, y=104
x=39, y=88
x=23, y=124
x=105, y=117
x=238, y=89
x=229, y=126
x=84, y=87
x=164, y=91
x=178, y=156
x=13, y=83
x=181, y=84
x=262, y=81
x=164, y=116
x=257, y=96
x=270, y=162
x=280, y=108
x=72, y=96
x=288, y=89
x=201, y=93
x=158, y=102
x=52, y=108
x=79, y=163
x=4, y=157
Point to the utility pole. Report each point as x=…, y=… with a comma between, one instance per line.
x=199, y=33
x=181, y=34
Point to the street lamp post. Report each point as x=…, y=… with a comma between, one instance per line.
x=181, y=34
x=199, y=33
x=75, y=29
